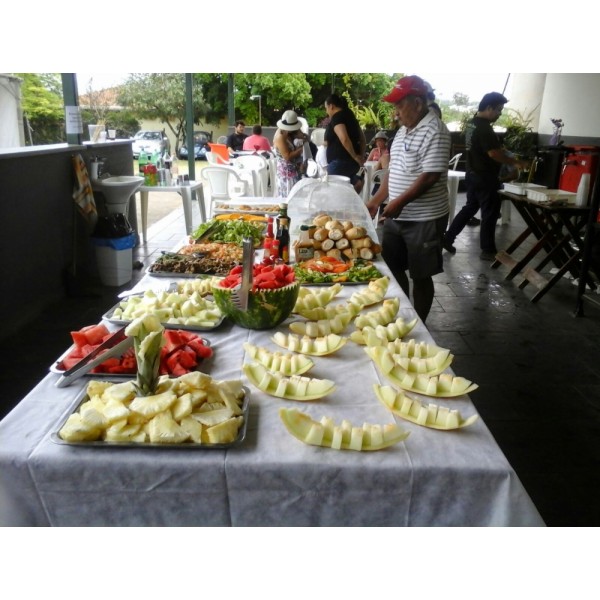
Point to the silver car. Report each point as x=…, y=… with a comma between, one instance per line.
x=150, y=142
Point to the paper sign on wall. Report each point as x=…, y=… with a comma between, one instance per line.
x=73, y=120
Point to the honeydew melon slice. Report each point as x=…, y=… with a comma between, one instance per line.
x=429, y=366
x=382, y=335
x=320, y=346
x=330, y=311
x=309, y=299
x=443, y=385
x=296, y=387
x=382, y=316
x=286, y=364
x=432, y=415
x=414, y=349
x=321, y=328
x=327, y=434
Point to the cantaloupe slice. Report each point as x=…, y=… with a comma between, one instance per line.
x=287, y=364
x=320, y=346
x=327, y=434
x=410, y=409
x=295, y=387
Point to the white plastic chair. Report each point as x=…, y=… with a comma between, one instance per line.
x=259, y=168
x=222, y=139
x=224, y=183
x=453, y=162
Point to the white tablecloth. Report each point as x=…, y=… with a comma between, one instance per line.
x=433, y=478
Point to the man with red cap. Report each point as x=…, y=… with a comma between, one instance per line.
x=416, y=215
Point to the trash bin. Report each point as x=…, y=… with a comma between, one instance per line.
x=549, y=161
x=115, y=259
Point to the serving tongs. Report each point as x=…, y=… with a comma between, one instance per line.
x=207, y=233
x=240, y=293
x=115, y=345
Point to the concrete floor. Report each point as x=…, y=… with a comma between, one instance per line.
x=536, y=364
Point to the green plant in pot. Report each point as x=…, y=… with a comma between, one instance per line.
x=520, y=139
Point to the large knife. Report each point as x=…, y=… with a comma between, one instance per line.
x=115, y=345
x=247, y=267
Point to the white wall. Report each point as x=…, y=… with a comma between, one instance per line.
x=572, y=97
x=11, y=132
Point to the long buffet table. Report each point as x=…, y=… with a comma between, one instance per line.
x=433, y=478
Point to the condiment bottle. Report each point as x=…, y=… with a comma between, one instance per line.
x=282, y=215
x=283, y=237
x=268, y=241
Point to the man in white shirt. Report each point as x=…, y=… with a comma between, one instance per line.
x=417, y=212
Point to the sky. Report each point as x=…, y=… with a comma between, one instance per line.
x=474, y=85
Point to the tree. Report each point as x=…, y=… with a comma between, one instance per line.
x=161, y=96
x=43, y=107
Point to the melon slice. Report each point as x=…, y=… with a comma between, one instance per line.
x=410, y=409
x=375, y=292
x=286, y=364
x=321, y=328
x=295, y=387
x=327, y=434
x=382, y=316
x=411, y=349
x=444, y=385
x=330, y=311
x=428, y=366
x=383, y=334
x=309, y=299
x=320, y=346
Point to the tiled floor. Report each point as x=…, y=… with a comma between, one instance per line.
x=538, y=367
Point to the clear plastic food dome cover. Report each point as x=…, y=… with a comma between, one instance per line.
x=338, y=199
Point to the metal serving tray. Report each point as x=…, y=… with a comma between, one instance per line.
x=58, y=370
x=109, y=317
x=186, y=445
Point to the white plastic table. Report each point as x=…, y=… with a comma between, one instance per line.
x=186, y=197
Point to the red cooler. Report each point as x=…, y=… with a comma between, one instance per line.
x=580, y=160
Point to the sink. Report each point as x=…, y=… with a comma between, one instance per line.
x=117, y=190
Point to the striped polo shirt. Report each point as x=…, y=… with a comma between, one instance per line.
x=425, y=149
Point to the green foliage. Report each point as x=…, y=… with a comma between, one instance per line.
x=519, y=137
x=161, y=97
x=43, y=108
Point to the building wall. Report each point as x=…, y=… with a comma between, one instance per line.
x=572, y=97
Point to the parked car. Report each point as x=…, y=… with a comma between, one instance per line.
x=150, y=142
x=201, y=140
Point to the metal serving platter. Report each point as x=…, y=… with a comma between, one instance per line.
x=251, y=206
x=58, y=369
x=83, y=397
x=111, y=319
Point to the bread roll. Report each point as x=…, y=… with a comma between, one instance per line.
x=321, y=234
x=334, y=224
x=356, y=233
x=321, y=219
x=335, y=234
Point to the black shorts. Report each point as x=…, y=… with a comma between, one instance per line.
x=414, y=245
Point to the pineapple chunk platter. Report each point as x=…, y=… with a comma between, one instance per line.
x=193, y=410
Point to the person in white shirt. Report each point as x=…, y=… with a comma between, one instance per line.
x=417, y=212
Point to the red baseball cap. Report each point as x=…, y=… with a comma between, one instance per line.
x=411, y=85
